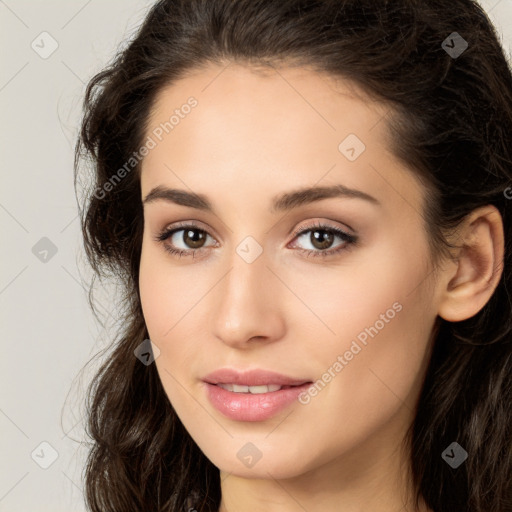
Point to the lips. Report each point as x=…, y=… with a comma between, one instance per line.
x=254, y=395
x=253, y=378
x=249, y=406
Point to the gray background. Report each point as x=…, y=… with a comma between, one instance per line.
x=48, y=332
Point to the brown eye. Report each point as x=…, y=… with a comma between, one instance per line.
x=321, y=239
x=183, y=239
x=193, y=238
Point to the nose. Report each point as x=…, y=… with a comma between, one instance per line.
x=247, y=308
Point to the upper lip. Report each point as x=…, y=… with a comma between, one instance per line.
x=255, y=377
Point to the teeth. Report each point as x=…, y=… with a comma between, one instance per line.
x=255, y=390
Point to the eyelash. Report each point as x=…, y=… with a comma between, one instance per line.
x=350, y=240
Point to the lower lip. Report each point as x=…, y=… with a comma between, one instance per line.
x=249, y=407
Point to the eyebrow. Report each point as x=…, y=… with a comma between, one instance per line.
x=282, y=202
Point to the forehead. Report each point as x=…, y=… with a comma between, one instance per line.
x=295, y=92
x=254, y=112
x=270, y=128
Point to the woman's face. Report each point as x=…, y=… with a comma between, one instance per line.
x=266, y=282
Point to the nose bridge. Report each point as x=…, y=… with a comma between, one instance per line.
x=247, y=302
x=246, y=276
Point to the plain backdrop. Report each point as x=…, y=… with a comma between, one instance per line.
x=49, y=51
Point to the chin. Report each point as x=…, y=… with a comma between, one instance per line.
x=276, y=467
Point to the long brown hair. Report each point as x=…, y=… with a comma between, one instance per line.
x=451, y=124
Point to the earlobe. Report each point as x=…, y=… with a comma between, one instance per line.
x=478, y=265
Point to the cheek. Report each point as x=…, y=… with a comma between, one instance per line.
x=171, y=302
x=382, y=318
x=155, y=298
x=166, y=292
x=384, y=353
x=345, y=299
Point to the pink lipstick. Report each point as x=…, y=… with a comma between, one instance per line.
x=254, y=395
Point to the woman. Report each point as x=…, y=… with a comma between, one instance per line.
x=308, y=206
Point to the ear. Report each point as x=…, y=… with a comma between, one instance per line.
x=475, y=273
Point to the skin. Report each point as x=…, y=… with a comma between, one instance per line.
x=252, y=136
